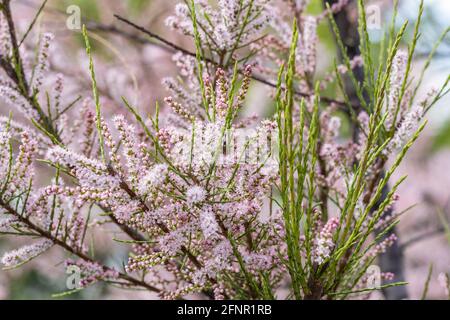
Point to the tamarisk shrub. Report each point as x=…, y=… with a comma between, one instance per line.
x=215, y=204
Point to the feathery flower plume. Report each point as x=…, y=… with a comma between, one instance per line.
x=42, y=61
x=16, y=257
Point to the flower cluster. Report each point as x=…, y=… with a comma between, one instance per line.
x=324, y=242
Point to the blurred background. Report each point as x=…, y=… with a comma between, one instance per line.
x=128, y=64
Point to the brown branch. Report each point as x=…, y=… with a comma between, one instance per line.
x=174, y=47
x=46, y=234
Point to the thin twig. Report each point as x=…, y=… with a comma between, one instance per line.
x=175, y=47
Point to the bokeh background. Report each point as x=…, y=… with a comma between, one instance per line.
x=135, y=68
